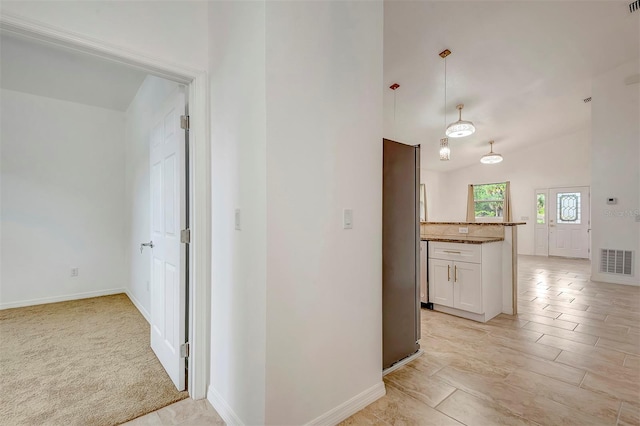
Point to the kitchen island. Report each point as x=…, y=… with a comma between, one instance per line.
x=472, y=268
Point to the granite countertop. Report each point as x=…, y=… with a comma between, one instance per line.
x=476, y=223
x=460, y=239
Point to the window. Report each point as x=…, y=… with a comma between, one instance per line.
x=488, y=200
x=568, y=207
x=540, y=208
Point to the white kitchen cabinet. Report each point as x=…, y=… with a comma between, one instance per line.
x=423, y=272
x=440, y=284
x=465, y=279
x=467, y=289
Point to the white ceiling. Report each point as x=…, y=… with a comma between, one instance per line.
x=521, y=68
x=52, y=71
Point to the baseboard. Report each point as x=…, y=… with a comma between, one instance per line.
x=224, y=410
x=352, y=406
x=138, y=305
x=614, y=279
x=65, y=298
x=402, y=362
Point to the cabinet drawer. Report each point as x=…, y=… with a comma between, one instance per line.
x=455, y=251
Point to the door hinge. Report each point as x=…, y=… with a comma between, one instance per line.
x=184, y=350
x=184, y=122
x=185, y=236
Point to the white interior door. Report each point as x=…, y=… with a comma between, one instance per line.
x=569, y=222
x=541, y=225
x=168, y=214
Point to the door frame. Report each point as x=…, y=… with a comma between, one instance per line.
x=199, y=174
x=547, y=191
x=587, y=199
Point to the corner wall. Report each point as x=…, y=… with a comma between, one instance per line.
x=615, y=167
x=296, y=138
x=239, y=181
x=62, y=200
x=324, y=154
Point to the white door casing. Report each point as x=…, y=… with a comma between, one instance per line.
x=168, y=214
x=200, y=166
x=541, y=224
x=569, y=222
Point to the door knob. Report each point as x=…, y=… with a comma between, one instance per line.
x=143, y=245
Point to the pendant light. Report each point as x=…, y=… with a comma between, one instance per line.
x=491, y=157
x=445, y=152
x=460, y=128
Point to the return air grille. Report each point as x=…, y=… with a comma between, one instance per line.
x=634, y=6
x=616, y=261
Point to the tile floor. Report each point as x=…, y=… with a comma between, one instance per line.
x=571, y=357
x=187, y=412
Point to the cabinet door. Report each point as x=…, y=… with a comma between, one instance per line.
x=423, y=271
x=467, y=294
x=441, y=282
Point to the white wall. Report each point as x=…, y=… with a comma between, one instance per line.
x=139, y=115
x=324, y=154
x=564, y=161
x=615, y=161
x=239, y=270
x=296, y=137
x=174, y=31
x=62, y=200
x=431, y=179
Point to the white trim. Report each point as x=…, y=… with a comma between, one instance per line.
x=200, y=247
x=65, y=298
x=49, y=34
x=402, y=362
x=139, y=306
x=223, y=408
x=352, y=406
x=614, y=278
x=199, y=281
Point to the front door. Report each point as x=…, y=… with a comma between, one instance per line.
x=569, y=222
x=168, y=216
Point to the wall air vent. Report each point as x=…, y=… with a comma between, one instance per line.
x=616, y=262
x=634, y=6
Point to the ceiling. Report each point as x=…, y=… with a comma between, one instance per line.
x=56, y=72
x=521, y=68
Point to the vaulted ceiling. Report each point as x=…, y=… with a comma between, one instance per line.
x=521, y=68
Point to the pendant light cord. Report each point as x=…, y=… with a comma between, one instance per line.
x=445, y=92
x=394, y=107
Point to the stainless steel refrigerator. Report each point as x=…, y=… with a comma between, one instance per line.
x=400, y=252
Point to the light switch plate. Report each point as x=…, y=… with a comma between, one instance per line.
x=237, y=219
x=347, y=219
x=524, y=217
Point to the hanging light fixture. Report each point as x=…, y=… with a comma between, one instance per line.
x=491, y=157
x=460, y=128
x=445, y=152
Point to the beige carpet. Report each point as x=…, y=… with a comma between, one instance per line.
x=83, y=362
